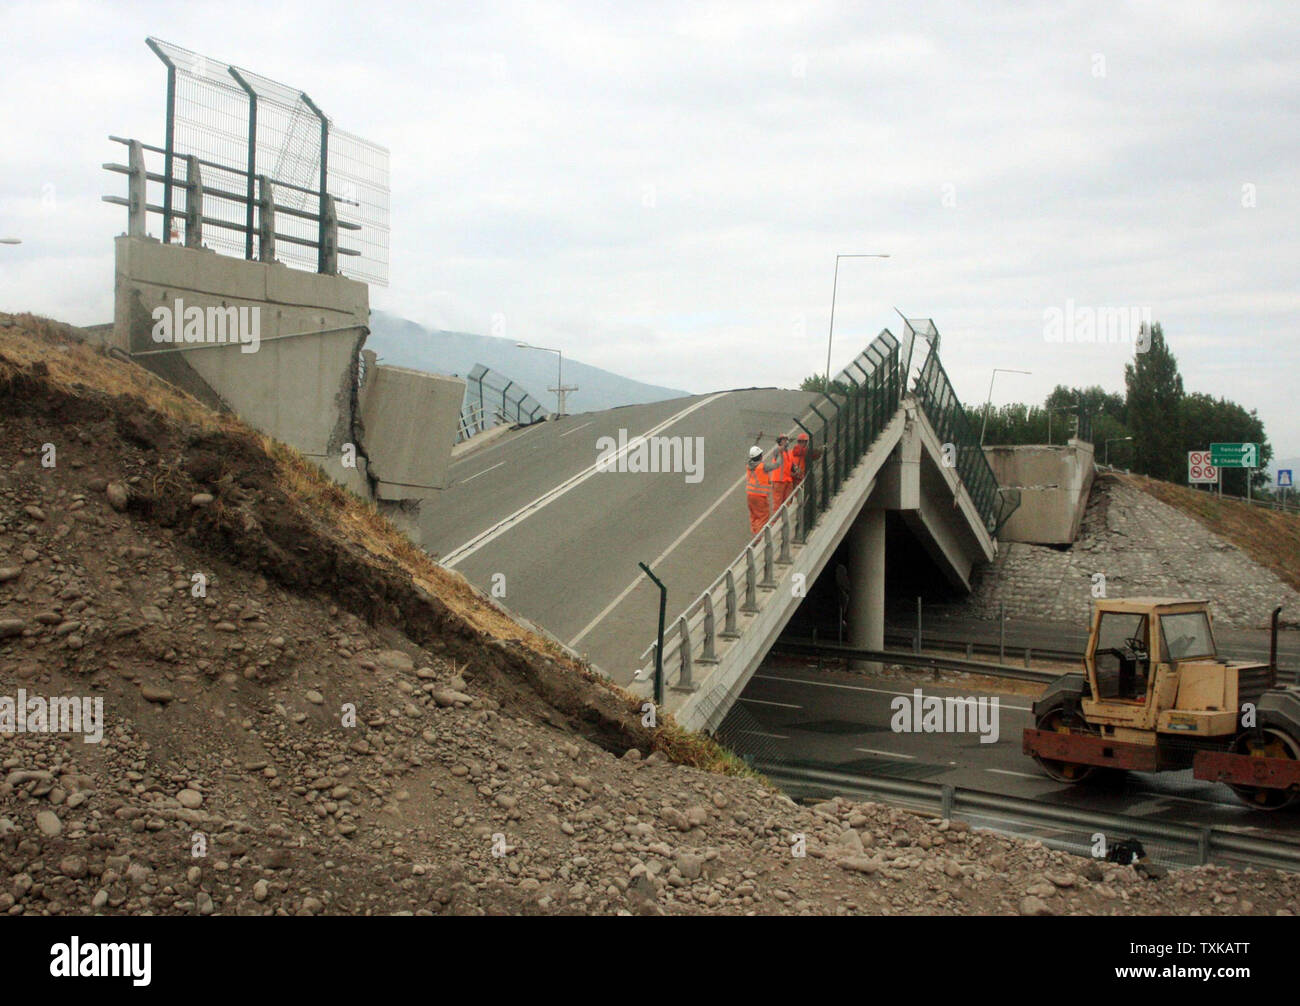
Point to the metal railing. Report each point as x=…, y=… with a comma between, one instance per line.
x=943, y=408
x=1167, y=841
x=850, y=424
x=492, y=399
x=263, y=208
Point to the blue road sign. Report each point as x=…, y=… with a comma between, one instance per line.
x=1284, y=478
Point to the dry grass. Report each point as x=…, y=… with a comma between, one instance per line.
x=1270, y=537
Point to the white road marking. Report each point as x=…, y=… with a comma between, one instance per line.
x=464, y=551
x=1020, y=775
x=575, y=429
x=763, y=702
x=759, y=733
x=886, y=754
x=604, y=612
x=1184, y=799
x=483, y=472
x=864, y=688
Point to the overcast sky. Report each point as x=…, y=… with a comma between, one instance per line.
x=661, y=189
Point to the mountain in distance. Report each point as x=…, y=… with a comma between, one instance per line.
x=403, y=343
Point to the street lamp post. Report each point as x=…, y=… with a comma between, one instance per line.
x=835, y=289
x=1112, y=440
x=559, y=389
x=989, y=400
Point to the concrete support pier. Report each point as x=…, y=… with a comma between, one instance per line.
x=867, y=575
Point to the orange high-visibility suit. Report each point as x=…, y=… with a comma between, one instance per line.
x=783, y=479
x=803, y=457
x=758, y=491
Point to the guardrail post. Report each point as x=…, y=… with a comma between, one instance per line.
x=729, y=619
x=684, y=682
x=193, y=203
x=949, y=798
x=769, y=580
x=800, y=498
x=710, y=655
x=136, y=185
x=1028, y=654
x=659, y=640
x=329, y=236
x=265, y=219
x=784, y=557
x=1203, y=840
x=751, y=582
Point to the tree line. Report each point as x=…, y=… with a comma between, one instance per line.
x=1148, y=429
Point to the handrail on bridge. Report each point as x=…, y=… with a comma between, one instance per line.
x=259, y=202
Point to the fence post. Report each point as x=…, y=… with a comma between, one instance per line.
x=769, y=581
x=751, y=582
x=659, y=640
x=800, y=531
x=710, y=654
x=136, y=187
x=265, y=219
x=684, y=682
x=729, y=619
x=193, y=203
x=784, y=558
x=329, y=237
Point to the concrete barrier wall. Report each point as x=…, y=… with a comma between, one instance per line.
x=299, y=382
x=1053, y=481
x=408, y=427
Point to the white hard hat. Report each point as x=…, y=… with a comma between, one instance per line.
x=756, y=451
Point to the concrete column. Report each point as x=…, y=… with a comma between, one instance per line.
x=867, y=574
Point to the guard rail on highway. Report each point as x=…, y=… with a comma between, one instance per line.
x=1193, y=845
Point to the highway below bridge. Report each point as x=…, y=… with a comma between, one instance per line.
x=796, y=715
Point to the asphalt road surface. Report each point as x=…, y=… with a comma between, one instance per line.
x=839, y=720
x=567, y=538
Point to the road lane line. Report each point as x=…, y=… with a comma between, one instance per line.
x=886, y=754
x=764, y=702
x=1020, y=775
x=483, y=472
x=464, y=551
x=759, y=733
x=575, y=429
x=604, y=612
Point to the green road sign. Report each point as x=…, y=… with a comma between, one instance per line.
x=1234, y=455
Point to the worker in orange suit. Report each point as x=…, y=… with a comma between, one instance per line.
x=802, y=456
x=783, y=474
x=758, y=488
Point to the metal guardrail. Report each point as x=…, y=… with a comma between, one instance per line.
x=263, y=209
x=905, y=658
x=492, y=398
x=1203, y=844
x=912, y=658
x=733, y=592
